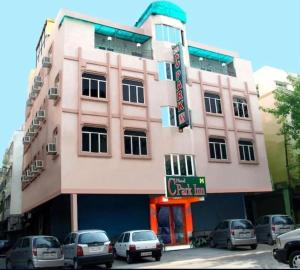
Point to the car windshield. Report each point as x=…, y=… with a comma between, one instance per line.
x=282, y=220
x=92, y=237
x=45, y=242
x=241, y=224
x=143, y=236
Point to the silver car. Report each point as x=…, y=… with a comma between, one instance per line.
x=88, y=247
x=268, y=227
x=35, y=252
x=233, y=232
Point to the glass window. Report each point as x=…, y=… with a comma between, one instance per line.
x=94, y=140
x=217, y=148
x=240, y=107
x=126, y=238
x=135, y=142
x=169, y=116
x=143, y=236
x=280, y=220
x=167, y=33
x=92, y=237
x=133, y=91
x=93, y=85
x=166, y=71
x=120, y=240
x=241, y=224
x=179, y=165
x=246, y=150
x=45, y=242
x=25, y=243
x=212, y=103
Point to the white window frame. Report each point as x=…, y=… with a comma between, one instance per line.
x=90, y=141
x=167, y=35
x=98, y=87
x=165, y=77
x=221, y=151
x=175, y=116
x=136, y=91
x=243, y=104
x=248, y=147
x=140, y=145
x=215, y=99
x=176, y=156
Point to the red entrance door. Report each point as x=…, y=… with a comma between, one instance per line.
x=171, y=225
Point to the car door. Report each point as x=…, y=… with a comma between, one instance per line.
x=266, y=228
x=25, y=252
x=223, y=232
x=73, y=245
x=16, y=258
x=118, y=244
x=67, y=250
x=258, y=228
x=125, y=244
x=216, y=234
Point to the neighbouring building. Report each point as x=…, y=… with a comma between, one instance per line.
x=102, y=135
x=283, y=163
x=10, y=188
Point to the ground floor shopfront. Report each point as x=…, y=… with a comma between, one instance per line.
x=173, y=220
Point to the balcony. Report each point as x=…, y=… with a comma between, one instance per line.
x=211, y=61
x=115, y=44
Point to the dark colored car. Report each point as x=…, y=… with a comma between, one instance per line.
x=5, y=246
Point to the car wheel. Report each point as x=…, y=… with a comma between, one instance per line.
x=270, y=240
x=108, y=265
x=294, y=259
x=128, y=258
x=157, y=258
x=8, y=264
x=230, y=246
x=30, y=265
x=212, y=243
x=253, y=246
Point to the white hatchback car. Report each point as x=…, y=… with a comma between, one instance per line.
x=138, y=244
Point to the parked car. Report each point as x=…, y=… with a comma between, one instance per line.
x=88, y=248
x=268, y=227
x=288, y=248
x=35, y=252
x=138, y=244
x=233, y=232
x=5, y=246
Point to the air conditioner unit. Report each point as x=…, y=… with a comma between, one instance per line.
x=36, y=123
x=51, y=149
x=41, y=114
x=34, y=170
x=39, y=164
x=24, y=178
x=46, y=62
x=38, y=82
x=26, y=139
x=28, y=174
x=33, y=95
x=53, y=93
x=35, y=90
x=29, y=102
x=31, y=131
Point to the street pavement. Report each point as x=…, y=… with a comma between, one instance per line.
x=206, y=258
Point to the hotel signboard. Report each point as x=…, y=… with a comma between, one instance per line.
x=180, y=81
x=185, y=186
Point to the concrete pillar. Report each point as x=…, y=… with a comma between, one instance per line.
x=74, y=212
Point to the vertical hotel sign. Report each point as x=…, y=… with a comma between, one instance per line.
x=180, y=80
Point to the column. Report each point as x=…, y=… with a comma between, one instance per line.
x=74, y=212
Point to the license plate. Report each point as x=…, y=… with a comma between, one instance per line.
x=146, y=253
x=50, y=255
x=95, y=249
x=244, y=235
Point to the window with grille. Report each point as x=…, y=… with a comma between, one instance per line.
x=240, y=107
x=181, y=165
x=212, y=103
x=93, y=85
x=94, y=140
x=135, y=142
x=133, y=91
x=217, y=148
x=246, y=150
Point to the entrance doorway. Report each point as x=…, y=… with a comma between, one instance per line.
x=171, y=225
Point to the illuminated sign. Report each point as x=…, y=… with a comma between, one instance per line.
x=180, y=81
x=185, y=186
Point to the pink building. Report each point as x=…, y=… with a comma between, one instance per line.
x=102, y=131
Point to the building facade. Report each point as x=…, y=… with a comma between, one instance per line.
x=284, y=167
x=10, y=187
x=101, y=120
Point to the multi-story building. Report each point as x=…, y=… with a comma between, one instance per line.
x=283, y=164
x=101, y=122
x=10, y=187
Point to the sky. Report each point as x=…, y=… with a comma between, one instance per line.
x=265, y=32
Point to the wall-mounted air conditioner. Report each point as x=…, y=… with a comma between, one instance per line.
x=41, y=114
x=51, y=149
x=26, y=139
x=37, y=82
x=46, y=62
x=53, y=93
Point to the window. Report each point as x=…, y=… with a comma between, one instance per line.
x=94, y=140
x=212, y=103
x=120, y=240
x=25, y=243
x=133, y=91
x=126, y=238
x=168, y=116
x=179, y=165
x=246, y=150
x=92, y=237
x=166, y=71
x=135, y=142
x=168, y=33
x=93, y=85
x=240, y=107
x=217, y=148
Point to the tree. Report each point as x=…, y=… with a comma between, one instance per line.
x=287, y=111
